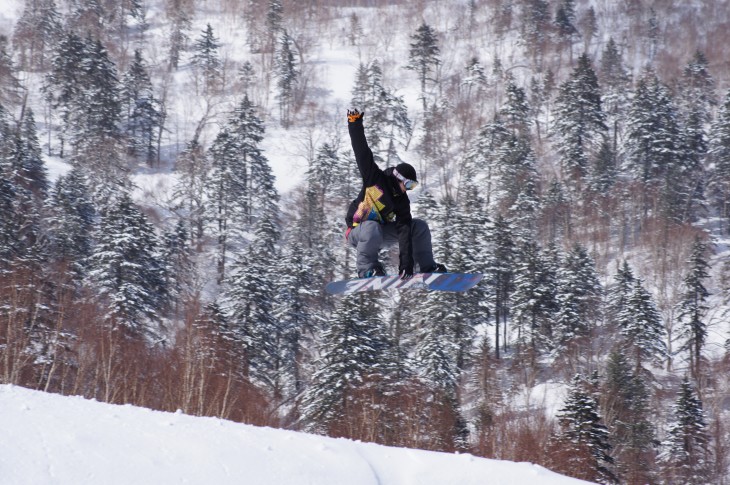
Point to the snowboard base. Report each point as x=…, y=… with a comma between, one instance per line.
x=430, y=281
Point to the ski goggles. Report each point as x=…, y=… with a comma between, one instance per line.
x=408, y=183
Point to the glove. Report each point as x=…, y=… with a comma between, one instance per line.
x=354, y=115
x=406, y=273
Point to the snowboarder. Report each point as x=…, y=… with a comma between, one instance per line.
x=381, y=213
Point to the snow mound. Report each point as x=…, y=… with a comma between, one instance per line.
x=49, y=438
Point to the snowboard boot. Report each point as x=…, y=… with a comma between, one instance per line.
x=436, y=268
x=376, y=270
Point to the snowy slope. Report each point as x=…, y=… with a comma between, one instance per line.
x=51, y=439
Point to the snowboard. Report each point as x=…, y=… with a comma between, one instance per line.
x=430, y=281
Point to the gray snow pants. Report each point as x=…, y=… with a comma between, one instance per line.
x=371, y=236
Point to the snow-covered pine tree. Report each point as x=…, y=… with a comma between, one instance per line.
x=124, y=268
x=27, y=312
x=437, y=368
x=83, y=89
x=141, y=111
x=445, y=329
x=176, y=257
x=362, y=93
x=274, y=24
x=512, y=168
x=588, y=26
x=402, y=405
x=520, y=186
x=63, y=84
x=193, y=167
x=556, y=213
x=433, y=145
x=686, y=452
x=605, y=171
x=381, y=395
x=516, y=110
x=579, y=122
x=565, y=20
x=539, y=100
x=505, y=168
x=179, y=14
x=468, y=228
x=500, y=272
x=100, y=101
x=345, y=186
x=615, y=84
x=619, y=293
x=693, y=306
x=483, y=156
x=719, y=183
x=641, y=327
x=250, y=292
x=534, y=28
x=286, y=72
x=653, y=145
x=473, y=251
x=344, y=384
x=36, y=33
x=314, y=223
x=248, y=130
x=28, y=160
x=10, y=87
x=696, y=102
x=423, y=57
x=88, y=18
x=627, y=408
x=355, y=30
x=125, y=10
x=484, y=398
x=581, y=446
x=325, y=171
x=247, y=77
x=94, y=127
x=224, y=345
x=8, y=221
x=578, y=297
x=207, y=59
x=71, y=220
x=228, y=193
x=475, y=80
x=446, y=221
x=533, y=299
x=297, y=317
x=569, y=325
x=30, y=187
x=580, y=271
x=241, y=184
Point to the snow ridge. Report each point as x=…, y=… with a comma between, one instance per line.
x=49, y=438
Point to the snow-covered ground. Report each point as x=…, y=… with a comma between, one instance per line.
x=52, y=439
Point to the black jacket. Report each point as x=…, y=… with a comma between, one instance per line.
x=381, y=198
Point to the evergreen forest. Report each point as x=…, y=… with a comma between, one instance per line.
x=174, y=176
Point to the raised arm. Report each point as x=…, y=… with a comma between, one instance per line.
x=369, y=170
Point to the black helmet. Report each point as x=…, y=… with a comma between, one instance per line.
x=407, y=171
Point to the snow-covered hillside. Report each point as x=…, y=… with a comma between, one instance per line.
x=48, y=439
x=585, y=235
